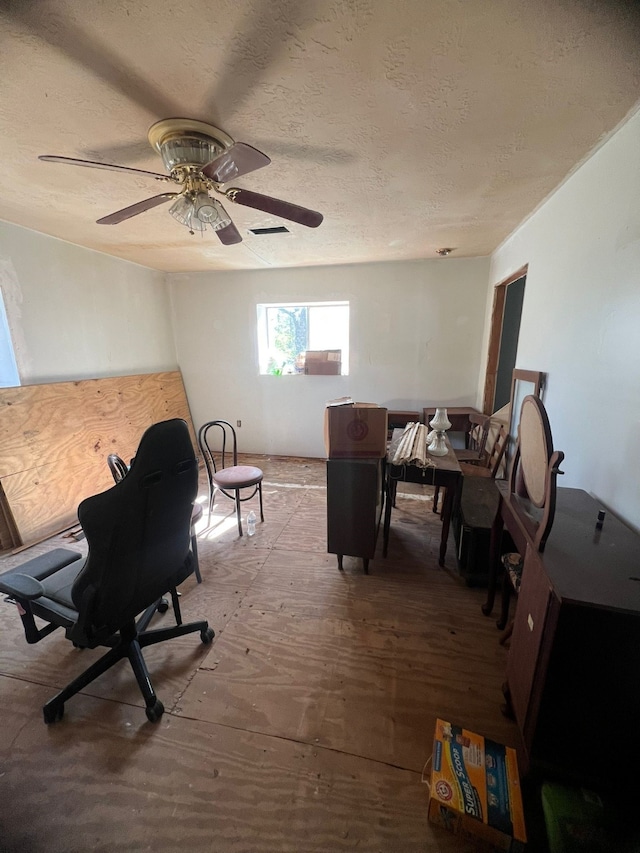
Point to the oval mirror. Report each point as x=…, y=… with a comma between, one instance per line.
x=535, y=448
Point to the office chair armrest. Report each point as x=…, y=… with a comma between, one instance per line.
x=21, y=586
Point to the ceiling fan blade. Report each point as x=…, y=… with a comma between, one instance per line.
x=135, y=209
x=238, y=160
x=91, y=164
x=261, y=40
x=59, y=31
x=123, y=152
x=303, y=151
x=229, y=235
x=293, y=212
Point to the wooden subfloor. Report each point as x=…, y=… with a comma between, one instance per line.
x=305, y=726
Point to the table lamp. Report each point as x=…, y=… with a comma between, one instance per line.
x=440, y=424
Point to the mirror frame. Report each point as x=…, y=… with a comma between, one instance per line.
x=523, y=384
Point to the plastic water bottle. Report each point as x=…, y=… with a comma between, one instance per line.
x=251, y=523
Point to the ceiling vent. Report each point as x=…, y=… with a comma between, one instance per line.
x=278, y=229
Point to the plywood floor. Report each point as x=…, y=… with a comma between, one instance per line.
x=305, y=726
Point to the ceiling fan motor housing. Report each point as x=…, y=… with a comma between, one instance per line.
x=187, y=143
x=188, y=151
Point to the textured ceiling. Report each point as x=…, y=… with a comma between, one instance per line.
x=410, y=124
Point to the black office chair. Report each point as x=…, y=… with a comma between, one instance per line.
x=219, y=447
x=138, y=535
x=119, y=469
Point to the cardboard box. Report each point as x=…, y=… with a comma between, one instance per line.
x=323, y=368
x=475, y=789
x=326, y=362
x=355, y=431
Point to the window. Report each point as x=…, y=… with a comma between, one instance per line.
x=292, y=336
x=8, y=370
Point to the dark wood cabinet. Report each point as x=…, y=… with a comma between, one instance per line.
x=537, y=612
x=573, y=672
x=354, y=507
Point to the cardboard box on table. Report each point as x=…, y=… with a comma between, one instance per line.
x=475, y=789
x=355, y=431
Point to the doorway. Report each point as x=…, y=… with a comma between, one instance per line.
x=503, y=340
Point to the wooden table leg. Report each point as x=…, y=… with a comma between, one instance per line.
x=387, y=516
x=448, y=502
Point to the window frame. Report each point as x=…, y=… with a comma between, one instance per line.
x=9, y=373
x=264, y=351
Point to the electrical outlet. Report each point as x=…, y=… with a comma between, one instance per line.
x=238, y=423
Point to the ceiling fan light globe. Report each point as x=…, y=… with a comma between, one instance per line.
x=211, y=211
x=182, y=210
x=196, y=224
x=220, y=224
x=205, y=208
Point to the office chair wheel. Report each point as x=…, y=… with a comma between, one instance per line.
x=207, y=636
x=163, y=605
x=53, y=713
x=155, y=711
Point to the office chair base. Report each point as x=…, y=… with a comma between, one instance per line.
x=155, y=711
x=129, y=646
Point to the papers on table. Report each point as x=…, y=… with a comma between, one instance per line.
x=412, y=447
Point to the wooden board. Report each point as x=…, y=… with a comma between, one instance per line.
x=55, y=439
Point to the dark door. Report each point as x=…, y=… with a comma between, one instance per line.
x=509, y=342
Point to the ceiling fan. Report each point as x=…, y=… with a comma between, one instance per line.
x=201, y=158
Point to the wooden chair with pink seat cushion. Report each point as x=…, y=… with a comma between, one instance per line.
x=219, y=447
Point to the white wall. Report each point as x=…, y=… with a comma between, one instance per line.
x=415, y=329
x=581, y=318
x=75, y=313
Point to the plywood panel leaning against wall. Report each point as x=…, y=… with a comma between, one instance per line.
x=55, y=439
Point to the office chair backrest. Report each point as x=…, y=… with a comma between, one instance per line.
x=138, y=532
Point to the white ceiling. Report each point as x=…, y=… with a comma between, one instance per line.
x=410, y=124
